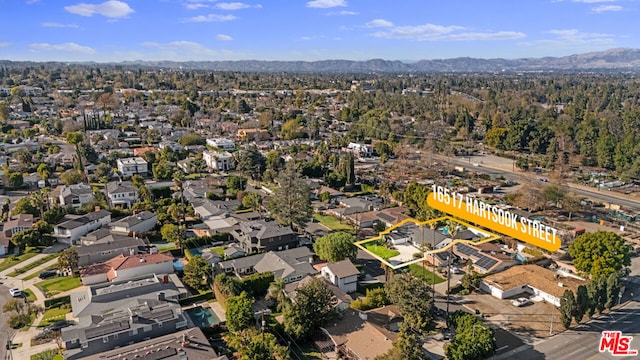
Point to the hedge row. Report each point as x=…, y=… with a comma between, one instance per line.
x=57, y=302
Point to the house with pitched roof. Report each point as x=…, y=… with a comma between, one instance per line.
x=101, y=251
x=342, y=274
x=73, y=195
x=127, y=267
x=264, y=236
x=14, y=225
x=74, y=227
x=114, y=315
x=289, y=265
x=122, y=194
x=137, y=223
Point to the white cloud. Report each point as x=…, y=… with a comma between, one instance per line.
x=195, y=6
x=110, y=9
x=211, y=18
x=69, y=47
x=342, y=13
x=379, y=23
x=4, y=43
x=187, y=51
x=325, y=4
x=602, y=8
x=59, y=25
x=572, y=39
x=232, y=6
x=433, y=32
x=29, y=2
x=223, y=37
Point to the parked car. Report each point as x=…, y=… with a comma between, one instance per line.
x=58, y=325
x=521, y=302
x=15, y=292
x=48, y=274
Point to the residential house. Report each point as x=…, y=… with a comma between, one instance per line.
x=191, y=344
x=221, y=143
x=340, y=302
x=75, y=195
x=114, y=315
x=221, y=161
x=289, y=265
x=233, y=251
x=530, y=279
x=127, y=267
x=102, y=251
x=64, y=158
x=362, y=335
x=102, y=235
x=360, y=150
x=491, y=260
x=137, y=223
x=128, y=167
x=143, y=150
x=247, y=135
x=342, y=274
x=14, y=225
x=260, y=235
x=74, y=227
x=122, y=194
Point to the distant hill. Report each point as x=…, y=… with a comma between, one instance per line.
x=610, y=60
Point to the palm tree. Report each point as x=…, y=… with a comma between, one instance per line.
x=276, y=292
x=452, y=229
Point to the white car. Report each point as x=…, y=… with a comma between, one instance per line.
x=520, y=302
x=15, y=292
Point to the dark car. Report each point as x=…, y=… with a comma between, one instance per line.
x=48, y=274
x=58, y=325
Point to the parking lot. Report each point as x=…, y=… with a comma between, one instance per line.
x=532, y=320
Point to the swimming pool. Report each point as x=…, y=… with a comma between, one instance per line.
x=195, y=251
x=202, y=316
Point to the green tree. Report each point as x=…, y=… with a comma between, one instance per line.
x=415, y=198
x=325, y=196
x=567, y=308
x=253, y=345
x=413, y=298
x=197, y=273
x=277, y=293
x=68, y=260
x=25, y=206
x=137, y=181
x=235, y=184
x=474, y=340
x=291, y=200
x=250, y=162
x=382, y=148
x=170, y=233
x=600, y=254
x=162, y=170
x=76, y=138
x=239, y=312
x=290, y=130
x=71, y=177
x=191, y=138
x=103, y=173
x=43, y=171
x=312, y=308
x=335, y=247
x=582, y=303
x=252, y=201
x=15, y=180
x=54, y=215
x=408, y=346
x=613, y=290
x=274, y=161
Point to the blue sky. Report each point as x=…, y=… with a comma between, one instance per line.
x=182, y=30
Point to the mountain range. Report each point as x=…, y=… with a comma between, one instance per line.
x=613, y=60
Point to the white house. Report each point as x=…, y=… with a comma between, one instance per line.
x=75, y=195
x=221, y=143
x=138, y=223
x=121, y=194
x=361, y=150
x=342, y=274
x=123, y=267
x=218, y=160
x=530, y=279
x=128, y=167
x=71, y=230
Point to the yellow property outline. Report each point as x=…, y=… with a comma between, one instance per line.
x=360, y=244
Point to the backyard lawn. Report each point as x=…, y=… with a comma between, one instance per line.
x=332, y=222
x=424, y=274
x=382, y=251
x=57, y=285
x=33, y=265
x=52, y=315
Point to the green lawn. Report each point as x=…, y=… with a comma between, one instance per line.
x=57, y=285
x=381, y=250
x=15, y=260
x=52, y=315
x=33, y=265
x=36, y=273
x=219, y=250
x=424, y=274
x=332, y=222
x=30, y=295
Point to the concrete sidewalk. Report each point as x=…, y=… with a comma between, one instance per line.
x=4, y=273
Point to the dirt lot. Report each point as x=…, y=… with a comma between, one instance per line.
x=533, y=320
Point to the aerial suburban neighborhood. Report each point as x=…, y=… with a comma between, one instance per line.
x=166, y=213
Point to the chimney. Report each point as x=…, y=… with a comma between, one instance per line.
x=161, y=296
x=96, y=208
